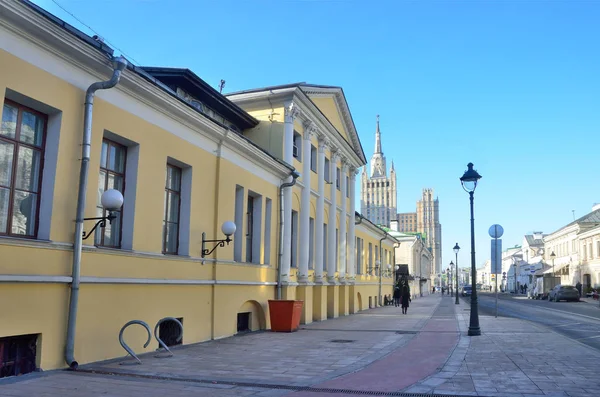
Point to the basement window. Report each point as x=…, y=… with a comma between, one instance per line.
x=243, y=322
x=17, y=355
x=168, y=332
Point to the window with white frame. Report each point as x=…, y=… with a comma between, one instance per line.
x=22, y=140
x=112, y=176
x=347, y=187
x=253, y=227
x=297, y=150
x=327, y=176
x=338, y=177
x=267, y=243
x=313, y=158
x=172, y=210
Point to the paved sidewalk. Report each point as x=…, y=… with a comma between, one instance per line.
x=375, y=352
x=262, y=362
x=516, y=358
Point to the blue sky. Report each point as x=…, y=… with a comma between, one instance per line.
x=512, y=86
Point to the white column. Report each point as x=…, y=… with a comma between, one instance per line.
x=304, y=244
x=343, y=219
x=319, y=221
x=351, y=232
x=331, y=251
x=291, y=112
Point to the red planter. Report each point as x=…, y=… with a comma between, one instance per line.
x=285, y=315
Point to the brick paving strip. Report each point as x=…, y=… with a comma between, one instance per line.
x=422, y=356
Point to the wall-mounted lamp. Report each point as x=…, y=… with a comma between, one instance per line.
x=111, y=200
x=228, y=230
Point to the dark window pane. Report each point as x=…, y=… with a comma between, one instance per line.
x=4, y=197
x=173, y=178
x=32, y=129
x=112, y=232
x=116, y=158
x=24, y=213
x=171, y=236
x=101, y=184
x=115, y=182
x=173, y=207
x=9, y=121
x=28, y=169
x=103, y=154
x=6, y=163
x=98, y=232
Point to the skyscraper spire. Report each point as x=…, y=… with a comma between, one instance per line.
x=378, y=138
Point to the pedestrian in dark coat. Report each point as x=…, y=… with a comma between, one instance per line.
x=405, y=299
x=397, y=296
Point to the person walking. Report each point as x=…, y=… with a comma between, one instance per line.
x=397, y=296
x=405, y=299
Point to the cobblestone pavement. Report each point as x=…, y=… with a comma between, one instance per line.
x=516, y=358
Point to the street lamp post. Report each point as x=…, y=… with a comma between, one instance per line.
x=456, y=249
x=469, y=182
x=450, y=283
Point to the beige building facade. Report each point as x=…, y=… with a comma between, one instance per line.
x=428, y=224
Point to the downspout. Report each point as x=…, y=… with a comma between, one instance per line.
x=119, y=64
x=295, y=175
x=381, y=265
x=215, y=231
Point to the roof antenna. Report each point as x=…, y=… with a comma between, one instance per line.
x=221, y=85
x=573, y=211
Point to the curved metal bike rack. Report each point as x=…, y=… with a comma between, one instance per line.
x=160, y=342
x=127, y=348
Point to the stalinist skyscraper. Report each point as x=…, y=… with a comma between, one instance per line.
x=378, y=191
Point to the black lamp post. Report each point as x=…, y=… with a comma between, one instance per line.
x=456, y=249
x=469, y=183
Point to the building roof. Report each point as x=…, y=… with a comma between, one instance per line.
x=533, y=242
x=589, y=219
x=195, y=86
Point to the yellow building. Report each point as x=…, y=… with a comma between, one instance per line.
x=186, y=160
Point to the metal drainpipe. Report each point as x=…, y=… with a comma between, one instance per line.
x=119, y=64
x=295, y=175
x=381, y=265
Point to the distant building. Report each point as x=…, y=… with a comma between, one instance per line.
x=428, y=223
x=378, y=191
x=407, y=222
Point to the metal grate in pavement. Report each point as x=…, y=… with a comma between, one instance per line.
x=359, y=330
x=342, y=341
x=308, y=389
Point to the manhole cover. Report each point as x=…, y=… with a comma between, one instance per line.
x=341, y=341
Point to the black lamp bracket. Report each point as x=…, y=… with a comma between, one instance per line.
x=101, y=222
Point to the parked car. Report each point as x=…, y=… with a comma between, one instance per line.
x=563, y=292
x=467, y=290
